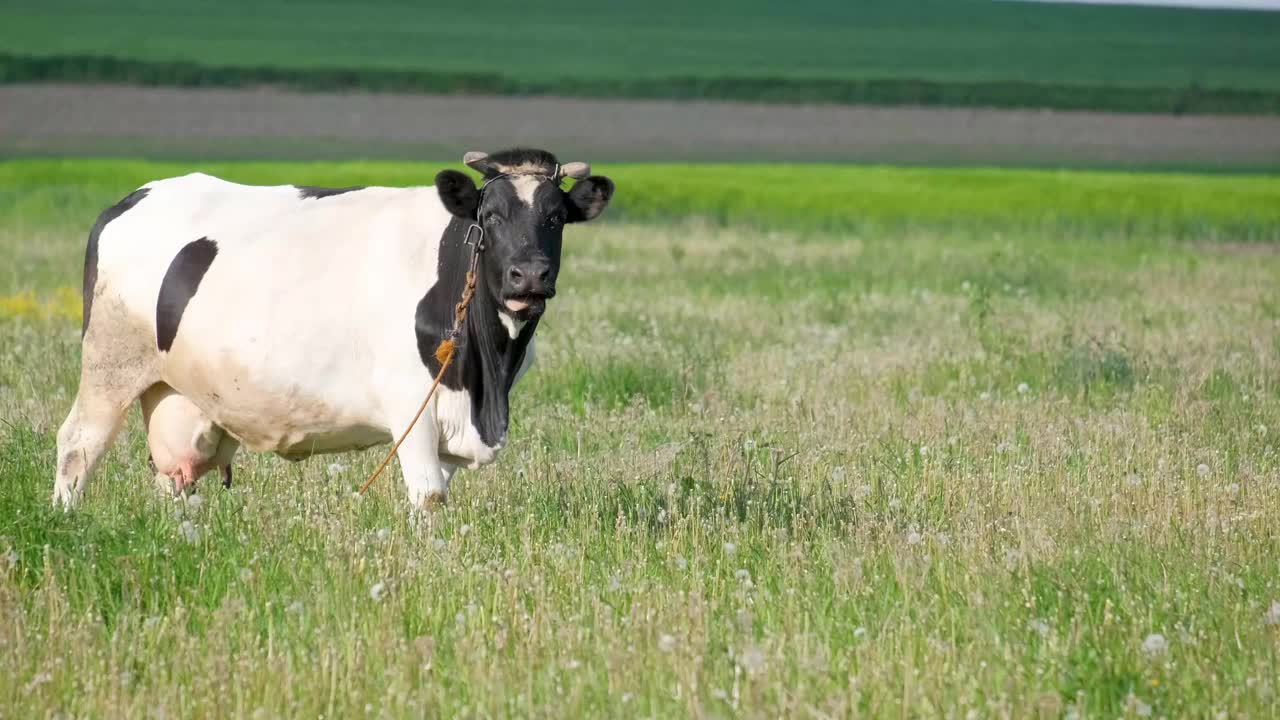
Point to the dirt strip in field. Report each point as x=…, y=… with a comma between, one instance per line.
x=270, y=123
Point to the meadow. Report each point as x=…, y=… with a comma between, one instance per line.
x=801, y=441
x=935, y=52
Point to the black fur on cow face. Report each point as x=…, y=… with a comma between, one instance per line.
x=523, y=211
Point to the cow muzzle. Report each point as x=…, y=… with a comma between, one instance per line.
x=528, y=287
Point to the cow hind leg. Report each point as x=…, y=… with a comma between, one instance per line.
x=83, y=439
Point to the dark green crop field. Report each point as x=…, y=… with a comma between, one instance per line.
x=957, y=52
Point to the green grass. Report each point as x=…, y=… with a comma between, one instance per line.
x=930, y=466
x=815, y=197
x=951, y=52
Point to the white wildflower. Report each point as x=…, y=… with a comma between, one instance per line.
x=378, y=590
x=1155, y=645
x=666, y=643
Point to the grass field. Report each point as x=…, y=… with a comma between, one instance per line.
x=1006, y=449
x=948, y=52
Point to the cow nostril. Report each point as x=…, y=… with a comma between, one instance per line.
x=544, y=275
x=515, y=274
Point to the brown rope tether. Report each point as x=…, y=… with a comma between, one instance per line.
x=444, y=352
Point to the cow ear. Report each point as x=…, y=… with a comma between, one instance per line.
x=588, y=198
x=458, y=193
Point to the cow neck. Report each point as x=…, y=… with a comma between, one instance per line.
x=487, y=356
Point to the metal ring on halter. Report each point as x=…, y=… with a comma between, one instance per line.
x=479, y=241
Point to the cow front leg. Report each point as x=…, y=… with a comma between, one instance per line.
x=425, y=478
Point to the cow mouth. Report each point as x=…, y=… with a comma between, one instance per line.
x=526, y=305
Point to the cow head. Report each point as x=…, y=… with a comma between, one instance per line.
x=523, y=211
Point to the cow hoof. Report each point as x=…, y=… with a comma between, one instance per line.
x=434, y=501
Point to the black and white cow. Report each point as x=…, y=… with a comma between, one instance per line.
x=303, y=320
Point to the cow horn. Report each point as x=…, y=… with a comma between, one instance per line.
x=575, y=170
x=475, y=160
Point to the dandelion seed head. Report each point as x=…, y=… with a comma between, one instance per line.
x=378, y=591
x=1202, y=469
x=752, y=660
x=1272, y=616
x=730, y=548
x=666, y=643
x=914, y=538
x=742, y=575
x=383, y=534
x=194, y=503
x=1023, y=388
x=1155, y=645
x=294, y=608
x=189, y=532
x=336, y=468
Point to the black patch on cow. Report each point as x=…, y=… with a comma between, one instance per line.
x=313, y=192
x=180, y=283
x=226, y=476
x=488, y=357
x=91, y=250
